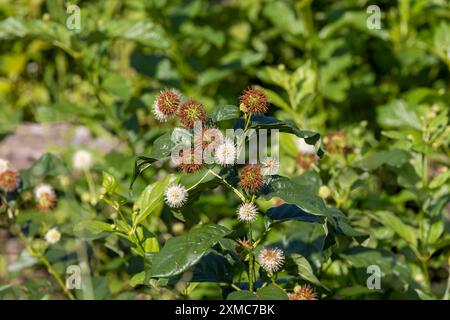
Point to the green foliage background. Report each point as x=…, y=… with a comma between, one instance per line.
x=321, y=67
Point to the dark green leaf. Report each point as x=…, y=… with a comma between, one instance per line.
x=181, y=253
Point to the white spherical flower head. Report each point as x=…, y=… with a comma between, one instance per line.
x=247, y=212
x=159, y=115
x=52, y=236
x=226, y=153
x=4, y=165
x=270, y=166
x=43, y=190
x=176, y=196
x=82, y=160
x=271, y=260
x=305, y=148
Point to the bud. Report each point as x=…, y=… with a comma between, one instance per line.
x=52, y=236
x=242, y=247
x=324, y=192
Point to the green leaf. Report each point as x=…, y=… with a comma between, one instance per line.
x=118, y=85
x=212, y=268
x=181, y=253
x=286, y=212
x=404, y=231
x=298, y=265
x=242, y=295
x=263, y=122
x=397, y=114
x=151, y=245
x=140, y=165
x=439, y=180
x=227, y=112
x=145, y=32
x=283, y=17
x=137, y=279
x=310, y=203
x=395, y=158
x=361, y=257
x=92, y=229
x=151, y=198
x=271, y=292
x=109, y=183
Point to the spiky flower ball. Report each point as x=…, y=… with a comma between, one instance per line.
x=176, y=196
x=190, y=112
x=45, y=197
x=247, y=212
x=303, y=293
x=270, y=166
x=253, y=100
x=189, y=162
x=226, y=153
x=82, y=160
x=243, y=246
x=166, y=104
x=251, y=178
x=52, y=236
x=9, y=178
x=271, y=260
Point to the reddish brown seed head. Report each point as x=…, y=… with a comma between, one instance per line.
x=9, y=180
x=191, y=112
x=251, y=178
x=253, y=100
x=303, y=293
x=189, y=163
x=168, y=102
x=243, y=246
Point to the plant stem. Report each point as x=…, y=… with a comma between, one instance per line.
x=250, y=271
x=240, y=195
x=235, y=287
x=426, y=274
x=199, y=181
x=47, y=264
